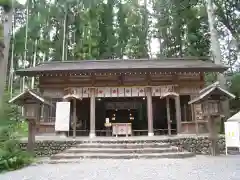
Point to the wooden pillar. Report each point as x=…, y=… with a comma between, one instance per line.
x=178, y=113
x=74, y=118
x=168, y=116
x=31, y=135
x=213, y=135
x=196, y=120
x=39, y=114
x=92, y=113
x=194, y=116
x=149, y=111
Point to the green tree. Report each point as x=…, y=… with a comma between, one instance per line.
x=6, y=26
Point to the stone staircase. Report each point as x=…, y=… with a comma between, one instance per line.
x=119, y=150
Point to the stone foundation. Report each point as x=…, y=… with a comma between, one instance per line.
x=48, y=148
x=198, y=145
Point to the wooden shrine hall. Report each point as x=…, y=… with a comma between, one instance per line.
x=121, y=97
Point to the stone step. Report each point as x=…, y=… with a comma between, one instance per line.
x=78, y=156
x=121, y=140
x=121, y=150
x=124, y=145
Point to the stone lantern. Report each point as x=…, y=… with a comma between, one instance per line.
x=31, y=102
x=211, y=99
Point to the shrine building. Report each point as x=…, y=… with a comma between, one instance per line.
x=121, y=97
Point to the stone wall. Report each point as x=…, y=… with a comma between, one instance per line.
x=48, y=148
x=198, y=145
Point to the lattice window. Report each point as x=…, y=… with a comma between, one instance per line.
x=49, y=113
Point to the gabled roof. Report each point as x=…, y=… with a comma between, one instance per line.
x=71, y=96
x=169, y=94
x=213, y=89
x=209, y=87
x=21, y=98
x=235, y=117
x=92, y=66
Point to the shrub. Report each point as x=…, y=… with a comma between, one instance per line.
x=11, y=155
x=21, y=128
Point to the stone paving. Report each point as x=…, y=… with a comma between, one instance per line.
x=197, y=168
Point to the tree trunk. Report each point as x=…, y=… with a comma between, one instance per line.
x=34, y=62
x=25, y=44
x=216, y=51
x=11, y=73
x=64, y=35
x=7, y=25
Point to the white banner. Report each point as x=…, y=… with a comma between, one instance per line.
x=62, y=116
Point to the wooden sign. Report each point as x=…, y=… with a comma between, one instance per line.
x=121, y=91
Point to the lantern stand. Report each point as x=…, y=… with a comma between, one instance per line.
x=211, y=99
x=31, y=114
x=31, y=102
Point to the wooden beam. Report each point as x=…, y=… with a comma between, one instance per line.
x=202, y=80
x=120, y=79
x=176, y=79
x=93, y=80
x=148, y=79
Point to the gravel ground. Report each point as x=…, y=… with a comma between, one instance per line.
x=198, y=168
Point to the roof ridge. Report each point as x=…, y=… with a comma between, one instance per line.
x=140, y=59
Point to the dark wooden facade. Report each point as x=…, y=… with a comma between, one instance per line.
x=186, y=80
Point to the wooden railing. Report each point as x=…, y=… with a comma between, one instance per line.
x=105, y=132
x=47, y=119
x=109, y=132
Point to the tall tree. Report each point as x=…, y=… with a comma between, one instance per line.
x=215, y=49
x=7, y=26
x=228, y=14
x=113, y=29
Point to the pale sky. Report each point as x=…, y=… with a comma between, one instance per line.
x=21, y=1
